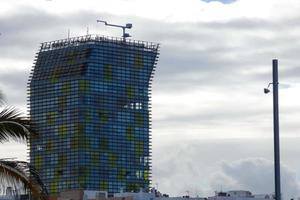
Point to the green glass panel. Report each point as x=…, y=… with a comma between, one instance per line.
x=66, y=88
x=83, y=86
x=146, y=175
x=103, y=116
x=62, y=160
x=38, y=162
x=107, y=72
x=83, y=171
x=130, y=133
x=112, y=159
x=61, y=102
x=95, y=158
x=62, y=130
x=130, y=91
x=121, y=174
x=80, y=130
x=139, y=148
x=82, y=181
x=103, y=144
x=80, y=135
x=53, y=187
x=82, y=144
x=55, y=75
x=103, y=186
x=138, y=61
x=74, y=143
x=49, y=145
x=58, y=173
x=139, y=119
x=50, y=117
x=87, y=115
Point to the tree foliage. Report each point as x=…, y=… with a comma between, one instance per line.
x=19, y=175
x=13, y=125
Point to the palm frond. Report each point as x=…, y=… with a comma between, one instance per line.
x=14, y=125
x=22, y=174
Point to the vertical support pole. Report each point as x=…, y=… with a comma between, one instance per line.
x=124, y=38
x=276, y=131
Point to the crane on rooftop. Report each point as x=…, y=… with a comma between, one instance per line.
x=127, y=26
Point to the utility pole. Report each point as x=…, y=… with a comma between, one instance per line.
x=275, y=84
x=276, y=130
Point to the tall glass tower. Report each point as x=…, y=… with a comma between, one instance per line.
x=89, y=101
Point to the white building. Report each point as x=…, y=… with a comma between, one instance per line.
x=240, y=195
x=154, y=195
x=230, y=195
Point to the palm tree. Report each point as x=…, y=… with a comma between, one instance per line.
x=13, y=125
x=22, y=174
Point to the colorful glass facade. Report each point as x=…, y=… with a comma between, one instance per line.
x=89, y=101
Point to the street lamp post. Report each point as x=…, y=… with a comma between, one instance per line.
x=276, y=129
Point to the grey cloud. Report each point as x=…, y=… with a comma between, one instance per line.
x=13, y=84
x=10, y=78
x=210, y=49
x=255, y=174
x=224, y=57
x=24, y=29
x=226, y=45
x=230, y=164
x=22, y=32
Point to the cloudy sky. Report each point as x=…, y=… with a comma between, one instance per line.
x=212, y=124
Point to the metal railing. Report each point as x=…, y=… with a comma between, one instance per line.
x=93, y=39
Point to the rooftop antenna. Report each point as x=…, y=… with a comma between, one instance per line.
x=188, y=193
x=128, y=26
x=68, y=33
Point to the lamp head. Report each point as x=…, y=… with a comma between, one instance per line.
x=266, y=90
x=128, y=26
